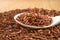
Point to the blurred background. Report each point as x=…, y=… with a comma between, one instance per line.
x=6, y=5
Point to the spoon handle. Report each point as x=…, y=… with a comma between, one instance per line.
x=57, y=18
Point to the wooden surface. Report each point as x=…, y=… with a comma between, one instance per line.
x=6, y=5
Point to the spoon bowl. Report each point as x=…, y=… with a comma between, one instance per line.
x=55, y=20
